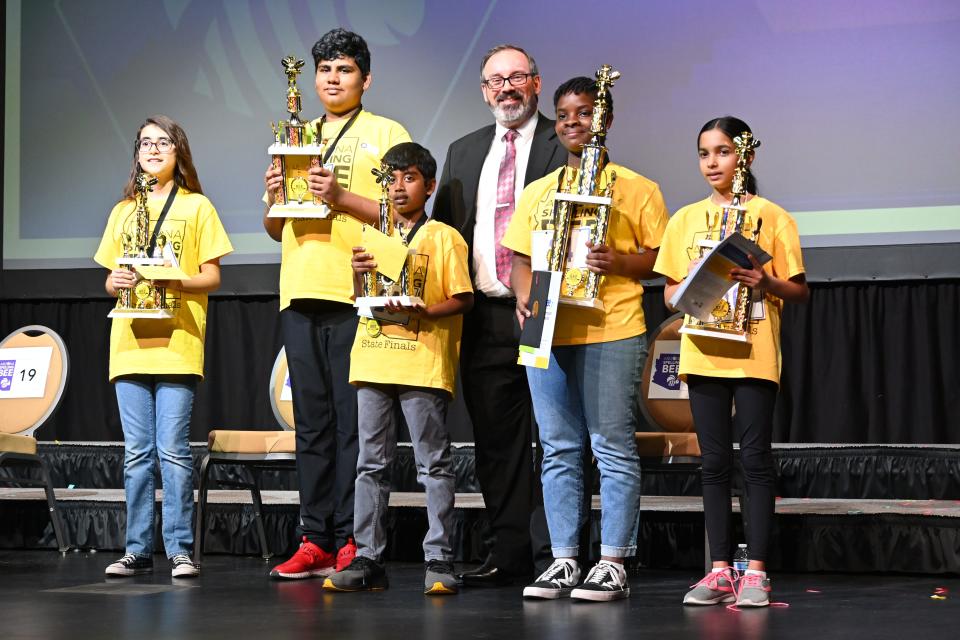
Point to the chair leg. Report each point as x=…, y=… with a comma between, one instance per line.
x=258, y=514
x=200, y=528
x=58, y=528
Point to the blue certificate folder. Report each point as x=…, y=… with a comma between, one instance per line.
x=703, y=287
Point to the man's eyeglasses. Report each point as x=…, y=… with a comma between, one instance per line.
x=163, y=145
x=514, y=80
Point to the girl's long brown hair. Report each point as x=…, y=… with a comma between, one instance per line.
x=184, y=174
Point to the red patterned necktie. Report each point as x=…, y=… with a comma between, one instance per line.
x=506, y=180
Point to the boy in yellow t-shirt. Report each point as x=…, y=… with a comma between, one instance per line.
x=589, y=388
x=722, y=373
x=412, y=365
x=317, y=319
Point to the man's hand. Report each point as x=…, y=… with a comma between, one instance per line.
x=324, y=184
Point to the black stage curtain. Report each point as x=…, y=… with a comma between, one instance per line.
x=862, y=362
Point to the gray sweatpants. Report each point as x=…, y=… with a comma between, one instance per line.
x=425, y=411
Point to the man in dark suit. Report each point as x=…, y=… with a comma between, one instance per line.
x=483, y=175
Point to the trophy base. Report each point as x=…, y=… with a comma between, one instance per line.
x=381, y=301
x=149, y=314
x=723, y=334
x=141, y=262
x=305, y=210
x=585, y=303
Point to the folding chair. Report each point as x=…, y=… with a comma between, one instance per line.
x=255, y=451
x=21, y=417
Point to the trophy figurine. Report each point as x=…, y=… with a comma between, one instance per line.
x=377, y=288
x=582, y=211
x=293, y=156
x=730, y=318
x=147, y=299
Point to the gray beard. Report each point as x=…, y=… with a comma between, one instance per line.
x=508, y=116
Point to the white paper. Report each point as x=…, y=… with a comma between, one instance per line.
x=23, y=371
x=703, y=287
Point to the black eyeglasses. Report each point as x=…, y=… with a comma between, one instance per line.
x=514, y=80
x=163, y=145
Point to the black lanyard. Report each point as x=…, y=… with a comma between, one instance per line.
x=333, y=146
x=163, y=215
x=413, y=230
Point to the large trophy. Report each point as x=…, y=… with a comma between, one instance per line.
x=294, y=157
x=582, y=211
x=730, y=318
x=378, y=289
x=147, y=299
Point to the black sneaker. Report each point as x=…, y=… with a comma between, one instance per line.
x=363, y=574
x=558, y=580
x=438, y=578
x=130, y=565
x=606, y=581
x=184, y=567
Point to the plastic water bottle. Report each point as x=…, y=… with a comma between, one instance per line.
x=740, y=559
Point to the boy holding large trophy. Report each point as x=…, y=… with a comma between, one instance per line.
x=317, y=318
x=588, y=388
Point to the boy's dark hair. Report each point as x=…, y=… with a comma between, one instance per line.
x=411, y=154
x=340, y=43
x=732, y=127
x=580, y=85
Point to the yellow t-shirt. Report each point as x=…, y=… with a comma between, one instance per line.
x=638, y=218
x=315, y=254
x=424, y=353
x=706, y=356
x=172, y=346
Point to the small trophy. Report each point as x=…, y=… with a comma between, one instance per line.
x=294, y=157
x=378, y=289
x=146, y=299
x=730, y=318
x=582, y=211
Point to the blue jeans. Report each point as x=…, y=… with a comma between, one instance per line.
x=589, y=392
x=155, y=413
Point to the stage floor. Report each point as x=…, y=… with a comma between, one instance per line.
x=46, y=595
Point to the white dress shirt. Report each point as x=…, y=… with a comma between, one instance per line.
x=484, y=249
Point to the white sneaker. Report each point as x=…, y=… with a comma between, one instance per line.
x=183, y=567
x=558, y=580
x=606, y=581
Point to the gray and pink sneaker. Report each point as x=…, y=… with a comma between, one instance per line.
x=753, y=590
x=715, y=588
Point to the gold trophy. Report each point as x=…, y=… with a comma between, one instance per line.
x=294, y=157
x=147, y=299
x=582, y=211
x=730, y=318
x=377, y=288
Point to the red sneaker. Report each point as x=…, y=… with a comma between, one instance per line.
x=346, y=554
x=309, y=561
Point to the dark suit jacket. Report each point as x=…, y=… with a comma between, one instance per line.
x=456, y=200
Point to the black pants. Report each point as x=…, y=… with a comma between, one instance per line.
x=498, y=400
x=711, y=400
x=318, y=336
